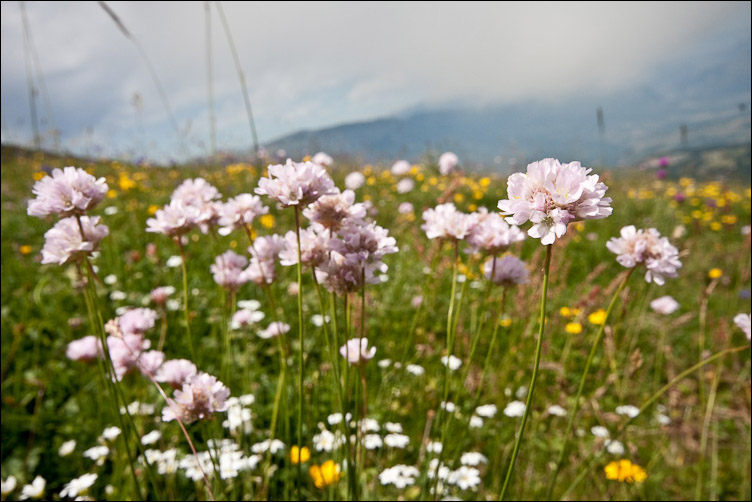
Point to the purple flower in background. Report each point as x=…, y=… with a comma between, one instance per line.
x=68, y=192
x=507, y=271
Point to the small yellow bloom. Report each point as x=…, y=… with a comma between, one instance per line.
x=565, y=312
x=458, y=198
x=233, y=244
x=307, y=158
x=472, y=207
x=39, y=175
x=715, y=226
x=267, y=221
x=625, y=471
x=484, y=182
x=125, y=183
x=729, y=219
x=573, y=328
x=598, y=317
x=715, y=273
x=25, y=249
x=299, y=454
x=325, y=474
x=111, y=194
x=153, y=209
x=505, y=322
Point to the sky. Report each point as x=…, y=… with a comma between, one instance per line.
x=315, y=64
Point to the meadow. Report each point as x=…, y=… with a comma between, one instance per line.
x=664, y=413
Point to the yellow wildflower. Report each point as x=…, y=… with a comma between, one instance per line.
x=458, y=198
x=39, y=175
x=729, y=219
x=267, y=221
x=111, y=194
x=625, y=471
x=153, y=209
x=573, y=328
x=485, y=182
x=299, y=454
x=505, y=322
x=715, y=226
x=25, y=249
x=598, y=317
x=325, y=474
x=715, y=273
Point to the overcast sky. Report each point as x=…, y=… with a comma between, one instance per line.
x=309, y=65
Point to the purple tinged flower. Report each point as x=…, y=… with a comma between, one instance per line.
x=149, y=362
x=508, y=271
x=323, y=159
x=445, y=222
x=161, y=294
x=551, y=195
x=274, y=330
x=356, y=351
x=175, y=372
x=68, y=192
x=264, y=253
x=125, y=351
x=354, y=180
x=744, y=321
x=239, y=212
x=245, y=317
x=137, y=321
x=447, y=163
x=401, y=168
x=173, y=220
x=331, y=211
x=367, y=241
x=228, y=270
x=490, y=234
x=64, y=243
x=314, y=247
x=201, y=395
x=648, y=248
x=295, y=184
x=87, y=348
x=405, y=208
x=665, y=305
x=405, y=185
x=661, y=174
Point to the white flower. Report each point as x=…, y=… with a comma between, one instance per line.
x=447, y=163
x=647, y=247
x=97, y=453
x=151, y=437
x=111, y=210
x=8, y=485
x=405, y=185
x=557, y=411
x=393, y=427
x=437, y=470
x=445, y=222
x=665, y=305
x=475, y=422
x=78, y=485
x=486, y=410
x=67, y=448
x=434, y=447
x=453, y=362
x=396, y=440
x=322, y=159
x=515, y=409
x=110, y=279
x=110, y=433
x=372, y=441
x=551, y=195
x=336, y=418
x=614, y=447
x=599, y=431
x=356, y=351
x=264, y=446
x=744, y=321
x=464, y=478
x=473, y=458
x=354, y=180
x=662, y=419
x=448, y=406
x=384, y=363
x=369, y=425
x=325, y=441
x=273, y=330
x=35, y=490
x=628, y=410
x=415, y=369
x=295, y=184
x=401, y=168
x=174, y=261
x=400, y=476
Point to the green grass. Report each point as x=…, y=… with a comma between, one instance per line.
x=47, y=399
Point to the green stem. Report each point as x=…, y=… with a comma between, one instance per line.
x=301, y=353
x=583, y=379
x=533, y=379
x=188, y=335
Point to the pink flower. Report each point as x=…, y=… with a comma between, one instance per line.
x=354, y=180
x=228, y=270
x=445, y=222
x=87, y=348
x=744, y=321
x=274, y=330
x=239, y=212
x=201, y=395
x=137, y=321
x=508, y=271
x=551, y=195
x=401, y=168
x=314, y=247
x=490, y=234
x=331, y=211
x=322, y=159
x=176, y=371
x=264, y=253
x=295, y=184
x=201, y=197
x=665, y=305
x=174, y=219
x=405, y=208
x=356, y=351
x=125, y=351
x=447, y=163
x=150, y=362
x=161, y=294
x=63, y=243
x=648, y=248
x=68, y=192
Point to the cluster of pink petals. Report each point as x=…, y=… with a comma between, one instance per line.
x=193, y=204
x=228, y=270
x=323, y=159
x=295, y=184
x=239, y=212
x=401, y=168
x=160, y=294
x=200, y=396
x=551, y=195
x=314, y=247
x=87, y=348
x=331, y=211
x=127, y=345
x=356, y=351
x=490, y=233
x=68, y=192
x=506, y=271
x=446, y=222
x=274, y=330
x=665, y=305
x=173, y=220
x=125, y=351
x=648, y=248
x=64, y=243
x=137, y=321
x=264, y=253
x=175, y=372
x=448, y=163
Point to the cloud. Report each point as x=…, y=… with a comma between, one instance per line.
x=314, y=64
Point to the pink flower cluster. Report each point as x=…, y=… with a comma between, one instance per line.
x=193, y=204
x=68, y=192
x=201, y=395
x=551, y=195
x=295, y=184
x=72, y=239
x=646, y=247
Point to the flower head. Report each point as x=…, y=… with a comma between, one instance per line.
x=356, y=351
x=314, y=247
x=447, y=163
x=331, y=211
x=175, y=372
x=323, y=159
x=445, y=222
x=507, y=271
x=173, y=220
x=624, y=471
x=745, y=323
x=648, y=248
x=201, y=395
x=296, y=184
x=87, y=348
x=239, y=212
x=325, y=474
x=228, y=270
x=551, y=195
x=354, y=180
x=274, y=330
x=401, y=168
x=68, y=192
x=65, y=243
x=665, y=305
x=491, y=234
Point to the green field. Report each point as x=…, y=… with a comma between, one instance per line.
x=693, y=441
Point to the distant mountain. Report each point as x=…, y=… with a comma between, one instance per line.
x=712, y=103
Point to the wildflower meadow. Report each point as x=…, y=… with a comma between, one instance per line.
x=317, y=329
